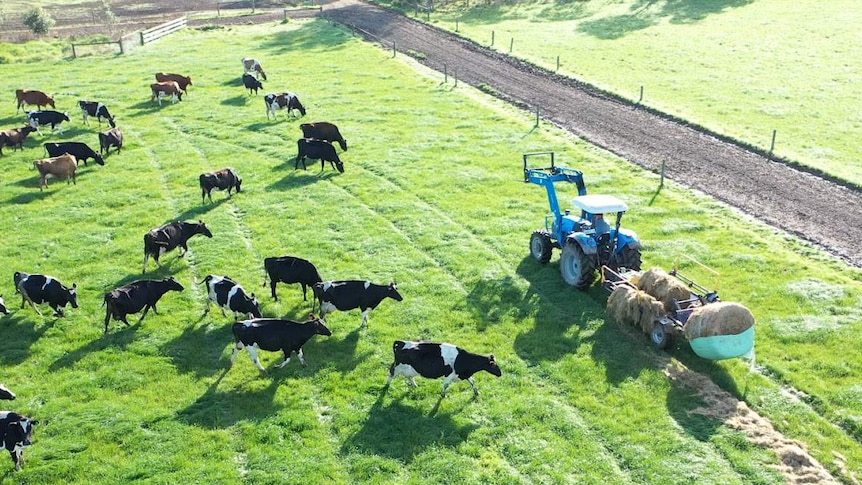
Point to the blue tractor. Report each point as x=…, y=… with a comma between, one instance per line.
x=586, y=240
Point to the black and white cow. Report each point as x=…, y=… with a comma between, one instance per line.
x=97, y=109
x=317, y=149
x=3, y=309
x=43, y=118
x=290, y=269
x=17, y=432
x=168, y=236
x=282, y=101
x=224, y=179
x=39, y=288
x=6, y=393
x=272, y=335
x=251, y=83
x=435, y=360
x=228, y=294
x=80, y=150
x=137, y=296
x=349, y=294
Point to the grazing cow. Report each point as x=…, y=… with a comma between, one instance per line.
x=278, y=101
x=6, y=394
x=252, y=66
x=3, y=309
x=62, y=167
x=170, y=88
x=251, y=83
x=81, y=151
x=317, y=149
x=224, y=179
x=15, y=137
x=350, y=294
x=17, y=432
x=323, y=130
x=434, y=360
x=290, y=269
x=42, y=118
x=168, y=236
x=228, y=294
x=272, y=334
x=33, y=97
x=183, y=81
x=137, y=296
x=110, y=138
x=97, y=109
x=39, y=288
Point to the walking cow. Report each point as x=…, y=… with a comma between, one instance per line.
x=17, y=432
x=435, y=360
x=137, y=296
x=97, y=109
x=228, y=294
x=168, y=237
x=350, y=294
x=33, y=97
x=39, y=288
x=272, y=335
x=290, y=269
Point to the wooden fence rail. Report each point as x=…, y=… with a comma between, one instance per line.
x=164, y=29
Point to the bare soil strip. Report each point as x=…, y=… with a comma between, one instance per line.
x=809, y=206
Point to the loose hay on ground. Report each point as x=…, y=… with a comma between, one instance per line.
x=720, y=318
x=663, y=287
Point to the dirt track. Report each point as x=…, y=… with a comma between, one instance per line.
x=813, y=208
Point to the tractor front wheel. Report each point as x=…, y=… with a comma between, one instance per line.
x=577, y=268
x=540, y=247
x=630, y=258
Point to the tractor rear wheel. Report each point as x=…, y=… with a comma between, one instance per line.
x=577, y=268
x=630, y=258
x=540, y=247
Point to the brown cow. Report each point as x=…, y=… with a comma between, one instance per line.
x=62, y=167
x=252, y=66
x=183, y=81
x=37, y=98
x=170, y=88
x=110, y=138
x=15, y=137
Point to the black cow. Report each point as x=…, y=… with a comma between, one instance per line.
x=251, y=83
x=350, y=294
x=290, y=269
x=167, y=237
x=39, y=288
x=317, y=149
x=224, y=179
x=17, y=432
x=110, y=138
x=97, y=109
x=323, y=130
x=435, y=360
x=137, y=296
x=80, y=150
x=228, y=294
x=3, y=309
x=279, y=101
x=272, y=334
x=6, y=393
x=42, y=118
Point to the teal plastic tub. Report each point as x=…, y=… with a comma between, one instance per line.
x=722, y=347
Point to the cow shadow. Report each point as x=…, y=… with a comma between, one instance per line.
x=218, y=409
x=119, y=339
x=20, y=333
x=296, y=179
x=401, y=432
x=341, y=353
x=28, y=197
x=235, y=101
x=198, y=349
x=195, y=213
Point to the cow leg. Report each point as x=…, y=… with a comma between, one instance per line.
x=301, y=358
x=448, y=381
x=16, y=460
x=304, y=286
x=287, y=359
x=207, y=309
x=473, y=385
x=146, y=309
x=146, y=258
x=365, y=317
x=108, y=312
x=184, y=248
x=34, y=306
x=272, y=284
x=252, y=351
x=236, y=350
x=58, y=310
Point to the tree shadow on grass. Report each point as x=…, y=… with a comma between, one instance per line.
x=115, y=338
x=217, y=409
x=401, y=432
x=311, y=36
x=20, y=332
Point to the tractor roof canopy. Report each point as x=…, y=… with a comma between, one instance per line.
x=599, y=204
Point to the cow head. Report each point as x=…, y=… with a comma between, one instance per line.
x=173, y=284
x=72, y=295
x=65, y=116
x=319, y=327
x=393, y=292
x=6, y=394
x=98, y=158
x=203, y=229
x=492, y=366
x=3, y=309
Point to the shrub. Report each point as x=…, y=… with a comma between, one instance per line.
x=38, y=20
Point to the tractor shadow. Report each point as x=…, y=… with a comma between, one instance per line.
x=401, y=432
x=221, y=409
x=118, y=339
x=21, y=331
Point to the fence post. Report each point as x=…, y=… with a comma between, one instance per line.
x=142, y=37
x=120, y=42
x=511, y=43
x=445, y=74
x=772, y=147
x=642, y=96
x=218, y=9
x=74, y=55
x=456, y=26
x=393, y=48
x=455, y=75
x=537, y=115
x=492, y=38
x=661, y=182
x=558, y=64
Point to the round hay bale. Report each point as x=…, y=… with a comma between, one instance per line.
x=720, y=318
x=648, y=311
x=618, y=304
x=634, y=307
x=663, y=287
